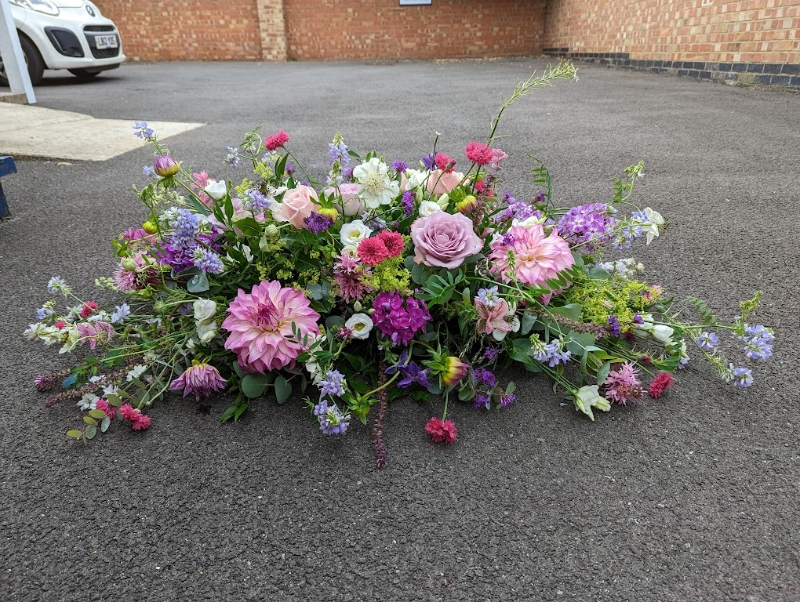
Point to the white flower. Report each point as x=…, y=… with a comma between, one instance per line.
x=428, y=207
x=376, y=187
x=34, y=331
x=529, y=221
x=88, y=401
x=110, y=390
x=588, y=397
x=662, y=333
x=354, y=232
x=415, y=178
x=216, y=190
x=314, y=371
x=651, y=227
x=135, y=372
x=207, y=332
x=204, y=311
x=360, y=325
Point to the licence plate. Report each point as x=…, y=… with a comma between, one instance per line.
x=102, y=42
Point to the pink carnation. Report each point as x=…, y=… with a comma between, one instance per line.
x=393, y=241
x=441, y=431
x=138, y=421
x=372, y=251
x=479, y=153
x=106, y=407
x=261, y=324
x=199, y=379
x=276, y=140
x=537, y=258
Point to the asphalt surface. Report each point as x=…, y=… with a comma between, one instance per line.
x=690, y=497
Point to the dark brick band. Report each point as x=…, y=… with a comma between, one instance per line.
x=784, y=75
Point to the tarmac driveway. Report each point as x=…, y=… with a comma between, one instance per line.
x=691, y=497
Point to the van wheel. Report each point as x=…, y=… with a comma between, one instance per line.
x=32, y=58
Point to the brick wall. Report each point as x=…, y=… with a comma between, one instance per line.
x=194, y=30
x=382, y=29
x=746, y=31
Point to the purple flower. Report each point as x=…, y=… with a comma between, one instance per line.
x=707, y=341
x=331, y=419
x=490, y=353
x=332, y=384
x=481, y=402
x=429, y=161
x=338, y=152
x=488, y=296
x=398, y=320
x=317, y=223
x=613, y=326
x=506, y=399
x=588, y=223
x=758, y=342
x=408, y=203
x=485, y=377
x=208, y=261
x=551, y=353
x=165, y=166
x=399, y=167
x=233, y=156
x=741, y=377
x=142, y=131
x=412, y=373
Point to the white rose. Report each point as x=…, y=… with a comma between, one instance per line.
x=204, y=311
x=428, y=207
x=354, y=232
x=216, y=190
x=360, y=325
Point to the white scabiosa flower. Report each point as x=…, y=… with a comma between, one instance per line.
x=376, y=187
x=360, y=325
x=354, y=232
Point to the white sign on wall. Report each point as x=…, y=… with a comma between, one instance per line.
x=413, y=2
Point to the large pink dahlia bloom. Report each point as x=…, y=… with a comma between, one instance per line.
x=260, y=324
x=537, y=257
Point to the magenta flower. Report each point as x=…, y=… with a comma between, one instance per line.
x=261, y=323
x=441, y=431
x=492, y=318
x=399, y=321
x=622, y=384
x=537, y=258
x=444, y=240
x=199, y=379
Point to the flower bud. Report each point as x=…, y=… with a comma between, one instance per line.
x=454, y=370
x=129, y=265
x=357, y=306
x=272, y=232
x=165, y=166
x=467, y=205
x=329, y=212
x=149, y=227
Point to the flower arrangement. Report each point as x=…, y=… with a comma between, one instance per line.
x=388, y=281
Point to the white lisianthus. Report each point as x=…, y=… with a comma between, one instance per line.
x=360, y=325
x=662, y=333
x=207, y=332
x=204, y=311
x=354, y=232
x=216, y=189
x=415, y=178
x=428, y=207
x=588, y=397
x=654, y=222
x=376, y=186
x=314, y=371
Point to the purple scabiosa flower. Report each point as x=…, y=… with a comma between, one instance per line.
x=707, y=341
x=316, y=222
x=399, y=167
x=331, y=420
x=332, y=384
x=481, y=402
x=613, y=328
x=408, y=203
x=208, y=261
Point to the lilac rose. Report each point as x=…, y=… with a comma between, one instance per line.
x=444, y=240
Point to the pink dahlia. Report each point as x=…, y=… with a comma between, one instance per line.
x=199, y=379
x=261, y=323
x=441, y=431
x=537, y=258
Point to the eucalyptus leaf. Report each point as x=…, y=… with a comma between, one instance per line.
x=104, y=424
x=198, y=283
x=283, y=389
x=91, y=431
x=74, y=434
x=254, y=385
x=527, y=322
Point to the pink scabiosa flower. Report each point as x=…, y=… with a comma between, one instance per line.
x=277, y=140
x=441, y=431
x=260, y=323
x=537, y=258
x=478, y=153
x=622, y=384
x=199, y=379
x=660, y=383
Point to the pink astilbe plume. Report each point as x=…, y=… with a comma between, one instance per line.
x=260, y=323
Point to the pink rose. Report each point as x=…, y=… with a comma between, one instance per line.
x=297, y=205
x=444, y=240
x=440, y=182
x=350, y=203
